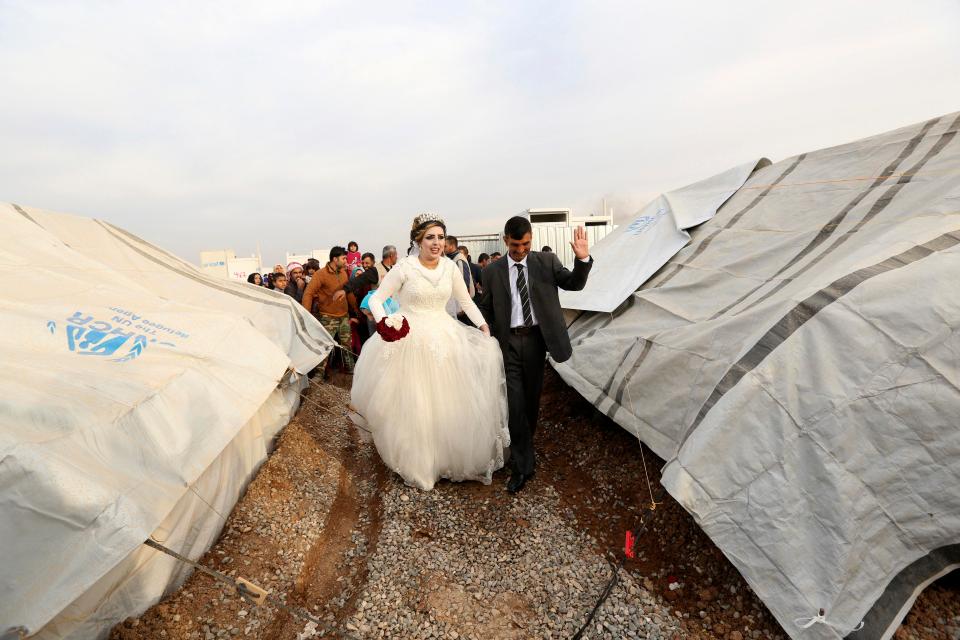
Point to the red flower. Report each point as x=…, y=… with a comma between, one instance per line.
x=393, y=333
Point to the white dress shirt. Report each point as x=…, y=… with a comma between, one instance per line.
x=516, y=308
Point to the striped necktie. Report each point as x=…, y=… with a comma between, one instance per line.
x=524, y=296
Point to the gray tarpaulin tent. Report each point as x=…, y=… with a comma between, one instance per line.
x=797, y=366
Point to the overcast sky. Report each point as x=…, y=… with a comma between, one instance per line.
x=305, y=124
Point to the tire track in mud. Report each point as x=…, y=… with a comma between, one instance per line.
x=335, y=569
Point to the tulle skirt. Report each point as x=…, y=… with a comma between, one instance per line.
x=435, y=401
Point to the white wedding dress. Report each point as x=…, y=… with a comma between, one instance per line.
x=435, y=400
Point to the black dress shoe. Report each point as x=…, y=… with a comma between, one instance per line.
x=516, y=482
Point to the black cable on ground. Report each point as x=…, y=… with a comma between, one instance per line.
x=628, y=551
x=607, y=590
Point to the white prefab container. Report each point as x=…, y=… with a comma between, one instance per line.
x=214, y=262
x=296, y=257
x=482, y=243
x=322, y=255
x=239, y=268
x=223, y=263
x=551, y=227
x=558, y=238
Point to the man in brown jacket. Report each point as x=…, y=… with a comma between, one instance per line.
x=333, y=312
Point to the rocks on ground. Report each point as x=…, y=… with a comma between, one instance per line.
x=327, y=528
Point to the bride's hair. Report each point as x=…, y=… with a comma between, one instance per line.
x=420, y=225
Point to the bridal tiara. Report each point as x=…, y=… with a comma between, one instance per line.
x=427, y=217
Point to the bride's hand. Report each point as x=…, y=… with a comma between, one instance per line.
x=486, y=330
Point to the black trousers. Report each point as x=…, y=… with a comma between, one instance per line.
x=523, y=363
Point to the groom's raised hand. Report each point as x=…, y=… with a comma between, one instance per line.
x=580, y=246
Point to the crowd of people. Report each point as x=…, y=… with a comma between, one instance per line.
x=337, y=293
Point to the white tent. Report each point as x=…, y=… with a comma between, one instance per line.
x=138, y=398
x=798, y=366
x=633, y=252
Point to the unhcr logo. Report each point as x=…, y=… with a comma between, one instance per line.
x=124, y=338
x=643, y=223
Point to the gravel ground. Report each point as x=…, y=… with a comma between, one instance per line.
x=454, y=563
x=328, y=528
x=267, y=539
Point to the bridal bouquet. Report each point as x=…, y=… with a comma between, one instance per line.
x=393, y=327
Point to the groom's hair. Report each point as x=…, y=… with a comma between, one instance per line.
x=517, y=227
x=336, y=252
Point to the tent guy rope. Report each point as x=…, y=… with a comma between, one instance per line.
x=249, y=591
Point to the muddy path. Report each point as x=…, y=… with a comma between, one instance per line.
x=334, y=572
x=313, y=527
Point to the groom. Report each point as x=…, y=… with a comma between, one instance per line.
x=521, y=305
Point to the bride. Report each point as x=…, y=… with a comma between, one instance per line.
x=435, y=399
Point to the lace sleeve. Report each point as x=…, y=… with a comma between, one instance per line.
x=462, y=296
x=391, y=284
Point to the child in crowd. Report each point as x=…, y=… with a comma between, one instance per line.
x=353, y=255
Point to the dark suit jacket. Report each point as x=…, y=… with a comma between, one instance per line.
x=475, y=271
x=544, y=274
